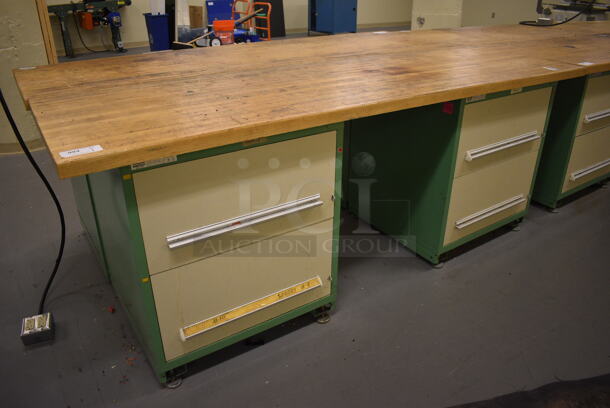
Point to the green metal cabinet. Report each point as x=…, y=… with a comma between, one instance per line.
x=577, y=150
x=187, y=302
x=439, y=176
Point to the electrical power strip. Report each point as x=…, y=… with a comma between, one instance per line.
x=37, y=329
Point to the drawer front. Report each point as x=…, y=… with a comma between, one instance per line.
x=590, y=158
x=595, y=113
x=486, y=197
x=500, y=129
x=209, y=300
x=201, y=208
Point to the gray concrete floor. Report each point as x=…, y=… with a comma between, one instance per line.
x=525, y=309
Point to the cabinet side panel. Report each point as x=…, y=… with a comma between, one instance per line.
x=113, y=198
x=88, y=217
x=558, y=141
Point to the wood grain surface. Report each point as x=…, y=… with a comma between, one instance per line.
x=154, y=105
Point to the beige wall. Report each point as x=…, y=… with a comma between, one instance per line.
x=380, y=12
x=493, y=12
x=456, y=13
x=430, y=14
x=21, y=45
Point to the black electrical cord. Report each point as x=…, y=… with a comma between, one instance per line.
x=536, y=24
x=80, y=37
x=53, y=196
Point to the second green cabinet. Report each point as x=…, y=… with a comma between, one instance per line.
x=439, y=176
x=577, y=150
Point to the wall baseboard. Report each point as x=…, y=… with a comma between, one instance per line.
x=80, y=50
x=13, y=148
x=405, y=24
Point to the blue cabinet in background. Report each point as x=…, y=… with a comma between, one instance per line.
x=219, y=10
x=333, y=16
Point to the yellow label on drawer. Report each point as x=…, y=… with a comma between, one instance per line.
x=249, y=308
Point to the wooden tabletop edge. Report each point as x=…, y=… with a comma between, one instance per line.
x=16, y=73
x=43, y=95
x=107, y=160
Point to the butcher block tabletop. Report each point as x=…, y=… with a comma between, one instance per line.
x=155, y=105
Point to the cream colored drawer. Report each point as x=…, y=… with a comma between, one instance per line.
x=201, y=208
x=485, y=197
x=595, y=113
x=590, y=158
x=206, y=301
x=499, y=129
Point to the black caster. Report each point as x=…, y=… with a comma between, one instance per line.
x=175, y=383
x=174, y=377
x=322, y=314
x=323, y=318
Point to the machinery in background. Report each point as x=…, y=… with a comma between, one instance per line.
x=227, y=32
x=236, y=9
x=88, y=15
x=558, y=11
x=262, y=20
x=260, y=24
x=240, y=9
x=224, y=32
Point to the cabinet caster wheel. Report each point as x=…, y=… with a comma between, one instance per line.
x=323, y=318
x=603, y=185
x=516, y=228
x=172, y=385
x=554, y=211
x=439, y=265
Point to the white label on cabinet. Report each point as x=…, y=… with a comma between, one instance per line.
x=476, y=98
x=155, y=162
x=80, y=151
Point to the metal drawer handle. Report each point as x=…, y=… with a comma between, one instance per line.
x=243, y=221
x=592, y=117
x=488, y=212
x=504, y=144
x=588, y=170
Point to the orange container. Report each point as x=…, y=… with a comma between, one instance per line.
x=86, y=20
x=224, y=25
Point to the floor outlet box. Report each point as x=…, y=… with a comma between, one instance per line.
x=37, y=329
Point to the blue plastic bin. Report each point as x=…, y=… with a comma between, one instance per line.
x=158, y=31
